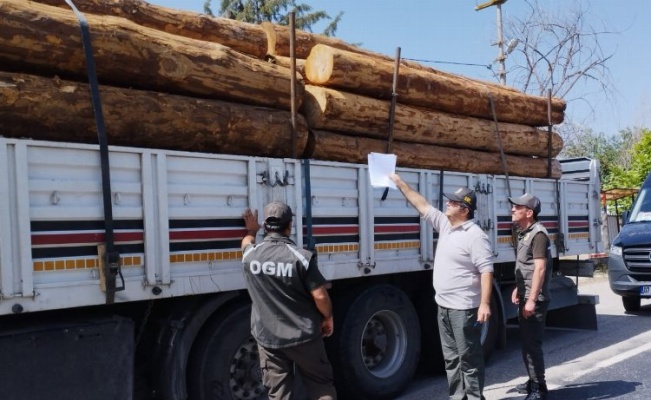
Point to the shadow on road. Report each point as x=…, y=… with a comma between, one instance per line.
x=645, y=310
x=594, y=390
x=586, y=391
x=563, y=346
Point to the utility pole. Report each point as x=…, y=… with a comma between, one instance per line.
x=500, y=40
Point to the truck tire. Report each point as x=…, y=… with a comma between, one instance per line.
x=224, y=361
x=631, y=303
x=490, y=330
x=378, y=345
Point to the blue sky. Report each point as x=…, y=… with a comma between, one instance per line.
x=452, y=31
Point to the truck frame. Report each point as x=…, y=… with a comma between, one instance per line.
x=180, y=327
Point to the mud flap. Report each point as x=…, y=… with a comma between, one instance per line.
x=68, y=360
x=580, y=316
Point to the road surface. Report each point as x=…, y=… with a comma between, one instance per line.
x=610, y=363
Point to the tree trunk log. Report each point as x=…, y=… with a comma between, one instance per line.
x=278, y=45
x=354, y=149
x=332, y=110
x=44, y=39
x=278, y=42
x=286, y=62
x=53, y=109
x=327, y=66
x=240, y=36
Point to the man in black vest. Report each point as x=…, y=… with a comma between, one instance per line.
x=532, y=276
x=291, y=311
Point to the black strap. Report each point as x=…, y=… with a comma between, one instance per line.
x=505, y=166
x=549, y=133
x=392, y=110
x=112, y=257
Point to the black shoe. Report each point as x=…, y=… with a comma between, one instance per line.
x=538, y=392
x=524, y=388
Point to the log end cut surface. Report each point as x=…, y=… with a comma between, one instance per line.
x=319, y=64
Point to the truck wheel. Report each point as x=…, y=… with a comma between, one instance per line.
x=224, y=361
x=631, y=303
x=378, y=345
x=489, y=331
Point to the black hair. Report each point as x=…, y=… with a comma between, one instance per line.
x=276, y=228
x=471, y=211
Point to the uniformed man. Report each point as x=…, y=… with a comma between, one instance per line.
x=531, y=294
x=291, y=311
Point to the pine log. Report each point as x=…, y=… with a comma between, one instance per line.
x=354, y=149
x=333, y=110
x=278, y=41
x=240, y=36
x=39, y=38
x=279, y=46
x=327, y=66
x=286, y=62
x=54, y=109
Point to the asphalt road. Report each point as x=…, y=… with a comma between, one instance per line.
x=609, y=363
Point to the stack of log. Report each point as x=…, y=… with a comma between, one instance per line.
x=180, y=80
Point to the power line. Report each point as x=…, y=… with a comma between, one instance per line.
x=488, y=66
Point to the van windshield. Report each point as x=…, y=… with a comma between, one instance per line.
x=642, y=208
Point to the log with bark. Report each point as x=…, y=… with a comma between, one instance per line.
x=278, y=46
x=54, y=109
x=278, y=42
x=39, y=38
x=240, y=36
x=333, y=110
x=286, y=62
x=352, y=72
x=354, y=149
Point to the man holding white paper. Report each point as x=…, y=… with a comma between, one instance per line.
x=380, y=167
x=463, y=278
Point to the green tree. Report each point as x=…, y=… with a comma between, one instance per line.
x=633, y=164
x=276, y=11
x=633, y=175
x=609, y=150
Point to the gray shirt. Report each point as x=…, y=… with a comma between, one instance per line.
x=280, y=278
x=463, y=253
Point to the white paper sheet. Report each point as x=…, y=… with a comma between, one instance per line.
x=380, y=166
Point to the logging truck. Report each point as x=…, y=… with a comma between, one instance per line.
x=120, y=267
x=134, y=290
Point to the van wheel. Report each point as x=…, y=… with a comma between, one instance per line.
x=631, y=303
x=378, y=345
x=489, y=330
x=224, y=361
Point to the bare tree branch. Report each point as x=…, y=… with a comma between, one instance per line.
x=559, y=51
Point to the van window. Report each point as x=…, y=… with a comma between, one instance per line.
x=642, y=207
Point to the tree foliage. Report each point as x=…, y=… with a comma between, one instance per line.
x=276, y=11
x=633, y=175
x=609, y=150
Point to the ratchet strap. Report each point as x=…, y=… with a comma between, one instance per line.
x=111, y=260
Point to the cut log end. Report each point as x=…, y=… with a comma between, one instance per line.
x=319, y=65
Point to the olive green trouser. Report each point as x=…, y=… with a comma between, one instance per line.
x=463, y=353
x=308, y=359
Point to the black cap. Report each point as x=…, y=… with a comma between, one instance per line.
x=276, y=215
x=527, y=200
x=465, y=196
